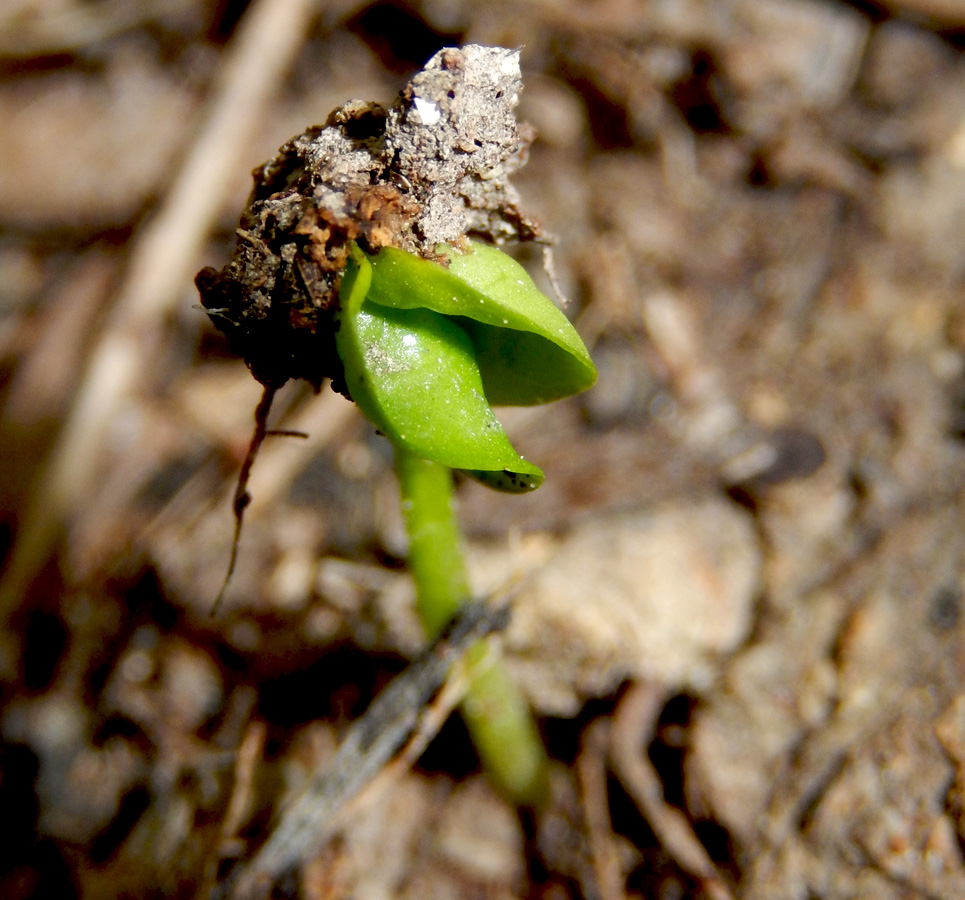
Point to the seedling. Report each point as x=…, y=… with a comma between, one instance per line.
x=425, y=350
x=353, y=264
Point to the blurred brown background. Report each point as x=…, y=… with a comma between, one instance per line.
x=755, y=517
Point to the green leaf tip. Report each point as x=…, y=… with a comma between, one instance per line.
x=427, y=350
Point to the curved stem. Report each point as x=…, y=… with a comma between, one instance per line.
x=494, y=709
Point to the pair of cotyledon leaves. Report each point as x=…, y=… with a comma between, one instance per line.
x=428, y=350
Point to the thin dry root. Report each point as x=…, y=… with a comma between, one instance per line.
x=591, y=769
x=633, y=729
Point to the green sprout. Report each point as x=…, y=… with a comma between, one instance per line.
x=353, y=264
x=426, y=350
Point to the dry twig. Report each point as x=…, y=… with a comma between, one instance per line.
x=317, y=812
x=591, y=769
x=633, y=729
x=162, y=263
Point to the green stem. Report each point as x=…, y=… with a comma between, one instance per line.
x=436, y=558
x=494, y=709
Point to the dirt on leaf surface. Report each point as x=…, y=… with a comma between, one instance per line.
x=742, y=579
